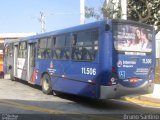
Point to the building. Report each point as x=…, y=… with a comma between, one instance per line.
x=9, y=36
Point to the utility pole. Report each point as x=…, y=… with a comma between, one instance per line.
x=123, y=9
x=82, y=11
x=113, y=5
x=42, y=21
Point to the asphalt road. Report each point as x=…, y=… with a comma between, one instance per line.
x=20, y=100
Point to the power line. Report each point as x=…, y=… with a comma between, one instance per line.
x=42, y=21
x=42, y=17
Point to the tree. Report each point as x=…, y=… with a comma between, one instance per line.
x=109, y=10
x=145, y=11
x=91, y=12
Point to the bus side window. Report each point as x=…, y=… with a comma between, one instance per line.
x=49, y=48
x=43, y=48
x=86, y=52
x=40, y=50
x=67, y=47
x=75, y=54
x=95, y=42
x=54, y=53
x=85, y=45
x=22, y=51
x=59, y=46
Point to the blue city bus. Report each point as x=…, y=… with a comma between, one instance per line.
x=101, y=60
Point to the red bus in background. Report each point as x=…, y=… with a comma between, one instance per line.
x=1, y=58
x=1, y=63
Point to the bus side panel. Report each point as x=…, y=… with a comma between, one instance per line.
x=22, y=68
x=70, y=76
x=82, y=78
x=107, y=87
x=74, y=87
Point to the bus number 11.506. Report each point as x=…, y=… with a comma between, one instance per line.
x=88, y=71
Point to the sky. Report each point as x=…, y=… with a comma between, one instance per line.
x=22, y=15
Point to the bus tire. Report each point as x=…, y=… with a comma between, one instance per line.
x=46, y=84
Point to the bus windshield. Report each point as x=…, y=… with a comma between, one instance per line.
x=132, y=38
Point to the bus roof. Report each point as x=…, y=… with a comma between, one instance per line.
x=79, y=28
x=67, y=30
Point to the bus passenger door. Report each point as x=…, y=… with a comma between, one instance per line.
x=31, y=63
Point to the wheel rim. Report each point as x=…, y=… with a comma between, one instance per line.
x=45, y=84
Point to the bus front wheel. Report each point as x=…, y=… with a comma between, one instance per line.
x=46, y=84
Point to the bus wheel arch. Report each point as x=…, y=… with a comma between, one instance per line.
x=46, y=84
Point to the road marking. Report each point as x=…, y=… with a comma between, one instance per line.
x=32, y=108
x=142, y=102
x=51, y=111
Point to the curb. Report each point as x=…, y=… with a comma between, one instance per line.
x=150, y=99
x=143, y=100
x=156, y=91
x=146, y=99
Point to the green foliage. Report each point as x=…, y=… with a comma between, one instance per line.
x=91, y=12
x=146, y=11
